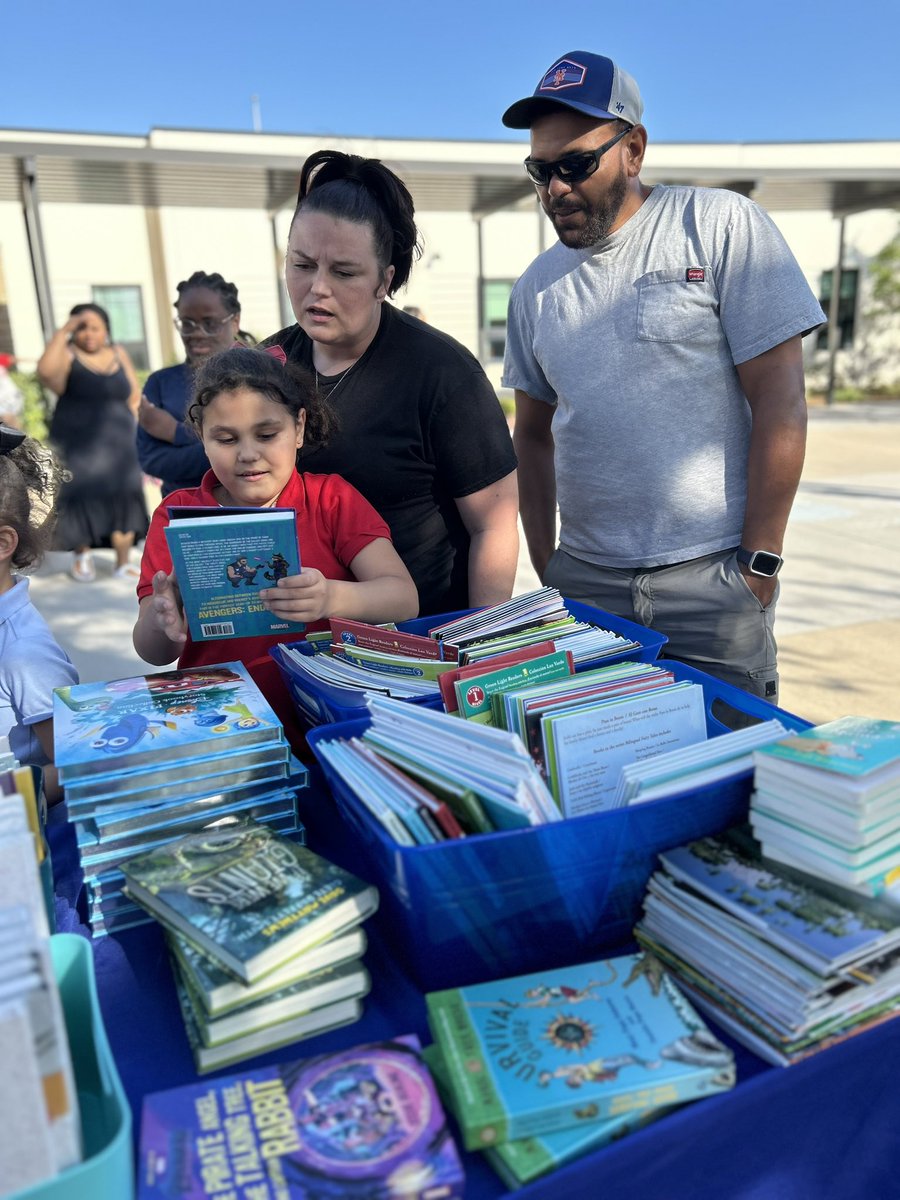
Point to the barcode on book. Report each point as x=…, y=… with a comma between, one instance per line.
x=220, y=629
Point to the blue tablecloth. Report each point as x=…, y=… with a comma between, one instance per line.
x=827, y=1129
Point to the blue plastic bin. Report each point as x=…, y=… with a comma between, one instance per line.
x=107, y=1170
x=322, y=704
x=499, y=904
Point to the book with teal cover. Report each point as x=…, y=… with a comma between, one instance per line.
x=848, y=746
x=223, y=558
x=170, y=718
x=519, y=1162
x=247, y=897
x=538, y=1053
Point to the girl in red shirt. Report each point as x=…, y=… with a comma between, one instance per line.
x=252, y=412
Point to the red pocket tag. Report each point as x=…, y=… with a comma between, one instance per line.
x=695, y=275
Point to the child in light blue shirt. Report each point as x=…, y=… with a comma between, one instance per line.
x=31, y=662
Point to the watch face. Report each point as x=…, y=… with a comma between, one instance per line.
x=762, y=562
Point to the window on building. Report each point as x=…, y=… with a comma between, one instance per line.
x=125, y=306
x=846, y=307
x=495, y=300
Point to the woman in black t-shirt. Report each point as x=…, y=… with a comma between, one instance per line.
x=420, y=430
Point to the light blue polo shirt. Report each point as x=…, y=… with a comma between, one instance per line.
x=31, y=666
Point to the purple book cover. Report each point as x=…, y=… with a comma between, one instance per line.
x=364, y=1123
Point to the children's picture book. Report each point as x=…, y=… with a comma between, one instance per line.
x=364, y=1122
x=473, y=693
x=796, y=916
x=533, y=1054
x=854, y=746
x=375, y=637
x=246, y=896
x=223, y=558
x=172, y=717
x=586, y=749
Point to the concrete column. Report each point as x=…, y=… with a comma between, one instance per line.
x=164, y=305
x=32, y=210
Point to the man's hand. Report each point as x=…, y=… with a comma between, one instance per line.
x=762, y=586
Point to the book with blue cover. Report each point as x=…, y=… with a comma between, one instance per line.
x=550, y=1050
x=223, y=558
x=359, y=1124
x=246, y=896
x=170, y=718
x=849, y=746
x=517, y=1163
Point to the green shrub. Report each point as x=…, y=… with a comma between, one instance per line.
x=36, y=413
x=848, y=395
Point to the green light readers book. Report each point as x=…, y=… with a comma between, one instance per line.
x=537, y=1053
x=223, y=558
x=247, y=897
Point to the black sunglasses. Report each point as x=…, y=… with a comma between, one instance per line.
x=571, y=168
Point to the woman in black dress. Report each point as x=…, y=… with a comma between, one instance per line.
x=93, y=430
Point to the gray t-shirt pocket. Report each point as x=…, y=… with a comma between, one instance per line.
x=671, y=307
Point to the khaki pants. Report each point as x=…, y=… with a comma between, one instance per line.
x=712, y=619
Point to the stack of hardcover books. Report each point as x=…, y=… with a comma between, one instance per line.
x=787, y=964
x=146, y=759
x=541, y=1068
x=365, y=1122
x=827, y=801
x=264, y=935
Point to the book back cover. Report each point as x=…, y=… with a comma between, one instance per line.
x=223, y=558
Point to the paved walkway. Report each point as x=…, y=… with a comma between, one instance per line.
x=838, y=622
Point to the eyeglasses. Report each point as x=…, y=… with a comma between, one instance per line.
x=208, y=325
x=571, y=168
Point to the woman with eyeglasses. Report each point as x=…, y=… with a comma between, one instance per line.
x=208, y=315
x=421, y=431
x=92, y=428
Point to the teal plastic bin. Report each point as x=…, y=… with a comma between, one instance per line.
x=107, y=1170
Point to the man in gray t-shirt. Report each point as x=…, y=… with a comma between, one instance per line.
x=655, y=354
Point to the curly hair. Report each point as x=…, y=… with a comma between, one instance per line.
x=30, y=478
x=285, y=383
x=365, y=191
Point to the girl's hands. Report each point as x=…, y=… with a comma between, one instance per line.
x=304, y=597
x=164, y=611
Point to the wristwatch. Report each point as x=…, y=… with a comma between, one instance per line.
x=760, y=562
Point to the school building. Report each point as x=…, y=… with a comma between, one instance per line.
x=121, y=219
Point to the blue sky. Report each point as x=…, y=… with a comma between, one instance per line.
x=709, y=70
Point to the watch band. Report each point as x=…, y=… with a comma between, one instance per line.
x=765, y=563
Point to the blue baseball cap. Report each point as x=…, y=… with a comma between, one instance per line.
x=588, y=83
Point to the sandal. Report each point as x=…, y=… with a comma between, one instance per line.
x=82, y=568
x=127, y=571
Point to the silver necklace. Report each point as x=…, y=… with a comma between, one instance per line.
x=334, y=386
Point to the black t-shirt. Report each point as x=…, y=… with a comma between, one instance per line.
x=418, y=425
